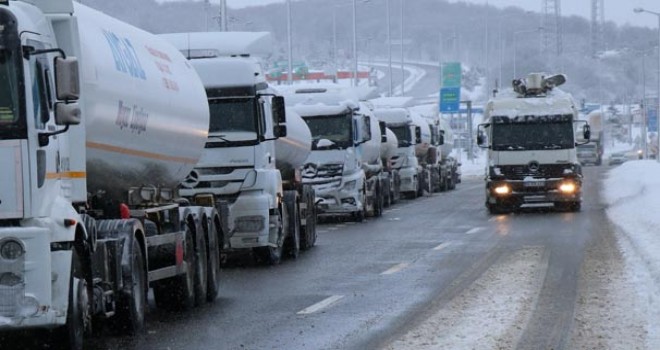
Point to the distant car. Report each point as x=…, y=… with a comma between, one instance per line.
x=617, y=158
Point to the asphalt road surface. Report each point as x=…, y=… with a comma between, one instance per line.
x=366, y=285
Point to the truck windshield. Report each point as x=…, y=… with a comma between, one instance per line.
x=12, y=118
x=338, y=129
x=532, y=133
x=403, y=134
x=234, y=120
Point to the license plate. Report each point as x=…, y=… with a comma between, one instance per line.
x=534, y=183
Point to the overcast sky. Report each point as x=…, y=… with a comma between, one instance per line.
x=619, y=11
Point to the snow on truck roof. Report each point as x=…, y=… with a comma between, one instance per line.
x=508, y=103
x=393, y=102
x=218, y=44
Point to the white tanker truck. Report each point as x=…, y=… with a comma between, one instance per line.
x=411, y=142
x=252, y=159
x=444, y=169
x=345, y=165
x=89, y=214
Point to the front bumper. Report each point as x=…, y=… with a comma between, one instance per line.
x=537, y=191
x=250, y=224
x=46, y=276
x=347, y=198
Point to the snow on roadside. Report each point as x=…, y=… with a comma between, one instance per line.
x=632, y=195
x=490, y=314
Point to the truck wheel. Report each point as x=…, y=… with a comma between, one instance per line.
x=358, y=216
x=293, y=223
x=201, y=269
x=308, y=233
x=132, y=300
x=273, y=255
x=178, y=293
x=378, y=206
x=78, y=318
x=213, y=262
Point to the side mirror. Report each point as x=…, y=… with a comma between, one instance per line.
x=67, y=79
x=441, y=139
x=383, y=131
x=67, y=113
x=480, y=139
x=586, y=132
x=418, y=134
x=279, y=131
x=366, y=132
x=279, y=112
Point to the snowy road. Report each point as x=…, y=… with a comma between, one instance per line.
x=434, y=273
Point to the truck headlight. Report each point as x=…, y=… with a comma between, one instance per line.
x=350, y=185
x=502, y=189
x=11, y=249
x=28, y=306
x=250, y=180
x=567, y=187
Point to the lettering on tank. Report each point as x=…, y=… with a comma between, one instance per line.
x=133, y=118
x=126, y=59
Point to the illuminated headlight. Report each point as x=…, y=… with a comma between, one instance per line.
x=350, y=185
x=250, y=223
x=11, y=249
x=28, y=306
x=502, y=189
x=9, y=279
x=567, y=187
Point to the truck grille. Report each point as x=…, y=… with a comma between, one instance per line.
x=9, y=297
x=311, y=170
x=542, y=171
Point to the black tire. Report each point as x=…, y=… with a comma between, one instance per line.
x=79, y=318
x=213, y=278
x=308, y=233
x=293, y=224
x=201, y=269
x=132, y=299
x=273, y=255
x=378, y=205
x=495, y=209
x=178, y=293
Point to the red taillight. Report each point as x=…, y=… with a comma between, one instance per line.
x=178, y=252
x=124, y=211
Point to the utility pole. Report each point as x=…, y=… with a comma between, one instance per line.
x=289, y=74
x=403, y=73
x=389, y=44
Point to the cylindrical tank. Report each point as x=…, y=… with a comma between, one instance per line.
x=422, y=148
x=144, y=107
x=292, y=151
x=370, y=150
x=389, y=149
x=448, y=146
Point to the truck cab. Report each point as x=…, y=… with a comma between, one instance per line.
x=342, y=152
x=530, y=134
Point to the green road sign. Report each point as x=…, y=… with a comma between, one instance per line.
x=451, y=74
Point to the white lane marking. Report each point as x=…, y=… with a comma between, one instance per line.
x=394, y=219
x=395, y=209
x=320, y=305
x=492, y=219
x=474, y=230
x=395, y=268
x=442, y=246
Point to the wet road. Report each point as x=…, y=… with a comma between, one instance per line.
x=364, y=285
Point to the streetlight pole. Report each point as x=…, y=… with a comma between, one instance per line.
x=289, y=74
x=355, y=54
x=640, y=10
x=389, y=44
x=403, y=74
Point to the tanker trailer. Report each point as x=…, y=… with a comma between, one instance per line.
x=252, y=155
x=390, y=180
x=450, y=167
x=89, y=218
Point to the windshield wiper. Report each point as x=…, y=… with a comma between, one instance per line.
x=509, y=147
x=219, y=137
